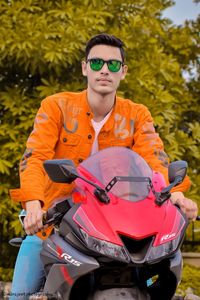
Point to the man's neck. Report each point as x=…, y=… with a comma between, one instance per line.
x=100, y=104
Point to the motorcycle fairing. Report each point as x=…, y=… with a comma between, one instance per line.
x=131, y=213
x=123, y=217
x=110, y=222
x=66, y=262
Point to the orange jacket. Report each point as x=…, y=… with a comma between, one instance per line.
x=63, y=129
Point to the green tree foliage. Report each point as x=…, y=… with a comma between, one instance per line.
x=41, y=46
x=190, y=280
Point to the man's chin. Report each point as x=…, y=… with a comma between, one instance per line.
x=104, y=90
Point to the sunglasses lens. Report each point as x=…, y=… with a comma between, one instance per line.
x=96, y=64
x=114, y=65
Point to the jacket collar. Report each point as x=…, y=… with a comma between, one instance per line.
x=88, y=112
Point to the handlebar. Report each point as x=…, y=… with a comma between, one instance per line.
x=53, y=216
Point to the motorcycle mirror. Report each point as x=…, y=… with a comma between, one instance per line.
x=64, y=171
x=61, y=170
x=177, y=171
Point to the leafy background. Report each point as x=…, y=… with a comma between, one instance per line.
x=41, y=45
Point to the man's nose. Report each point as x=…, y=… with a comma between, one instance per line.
x=105, y=69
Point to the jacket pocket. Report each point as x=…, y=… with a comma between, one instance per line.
x=68, y=145
x=127, y=142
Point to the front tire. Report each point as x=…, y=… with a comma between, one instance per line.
x=120, y=294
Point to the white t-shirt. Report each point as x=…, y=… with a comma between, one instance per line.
x=97, y=128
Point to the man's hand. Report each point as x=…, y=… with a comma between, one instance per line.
x=33, y=220
x=188, y=206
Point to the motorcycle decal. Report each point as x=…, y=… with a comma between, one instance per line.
x=66, y=275
x=70, y=259
x=65, y=256
x=166, y=237
x=58, y=254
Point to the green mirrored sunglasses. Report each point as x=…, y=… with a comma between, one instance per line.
x=96, y=64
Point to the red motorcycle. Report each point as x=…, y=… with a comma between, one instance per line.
x=118, y=236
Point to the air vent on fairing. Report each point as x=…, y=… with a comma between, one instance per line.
x=137, y=248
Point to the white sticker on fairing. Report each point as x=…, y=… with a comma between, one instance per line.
x=66, y=257
x=69, y=259
x=167, y=236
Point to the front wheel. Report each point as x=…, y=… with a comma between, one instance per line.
x=120, y=294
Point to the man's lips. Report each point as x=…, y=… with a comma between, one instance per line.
x=104, y=79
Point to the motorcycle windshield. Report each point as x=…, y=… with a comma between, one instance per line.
x=120, y=161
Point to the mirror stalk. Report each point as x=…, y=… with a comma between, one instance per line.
x=165, y=194
x=100, y=193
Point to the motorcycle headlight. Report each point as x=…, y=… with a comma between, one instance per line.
x=171, y=245
x=156, y=253
x=106, y=248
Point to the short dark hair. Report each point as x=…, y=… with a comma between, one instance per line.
x=105, y=39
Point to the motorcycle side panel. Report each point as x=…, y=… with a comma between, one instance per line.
x=176, y=264
x=68, y=264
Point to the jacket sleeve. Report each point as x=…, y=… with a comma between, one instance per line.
x=39, y=147
x=148, y=144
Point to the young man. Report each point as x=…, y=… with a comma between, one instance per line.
x=74, y=126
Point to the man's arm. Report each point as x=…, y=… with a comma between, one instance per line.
x=40, y=146
x=188, y=206
x=149, y=145
x=34, y=214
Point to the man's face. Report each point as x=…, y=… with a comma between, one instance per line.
x=104, y=81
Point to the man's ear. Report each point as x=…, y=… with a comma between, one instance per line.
x=124, y=71
x=84, y=68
